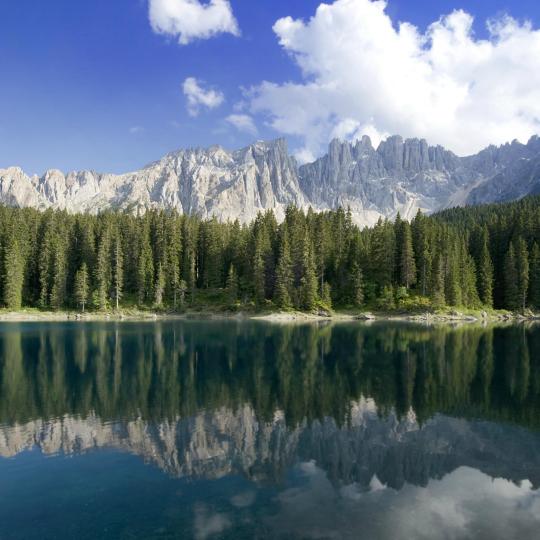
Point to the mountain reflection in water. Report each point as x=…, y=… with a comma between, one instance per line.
x=340, y=421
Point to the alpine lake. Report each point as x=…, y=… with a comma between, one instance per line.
x=229, y=429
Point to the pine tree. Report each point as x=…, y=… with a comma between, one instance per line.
x=357, y=285
x=81, y=288
x=522, y=265
x=485, y=271
x=118, y=271
x=454, y=263
x=534, y=285
x=46, y=257
x=469, y=292
x=326, y=295
x=159, y=288
x=145, y=265
x=383, y=253
x=232, y=285
x=259, y=278
x=13, y=274
x=437, y=281
x=308, y=281
x=422, y=252
x=407, y=265
x=182, y=289
x=103, y=269
x=511, y=289
x=284, y=275
x=59, y=277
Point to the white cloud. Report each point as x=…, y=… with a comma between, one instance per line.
x=242, y=122
x=465, y=503
x=361, y=73
x=208, y=523
x=136, y=130
x=198, y=97
x=188, y=20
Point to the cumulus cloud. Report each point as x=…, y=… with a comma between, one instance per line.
x=242, y=122
x=198, y=97
x=364, y=74
x=188, y=20
x=465, y=503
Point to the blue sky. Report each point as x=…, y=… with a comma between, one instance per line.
x=93, y=85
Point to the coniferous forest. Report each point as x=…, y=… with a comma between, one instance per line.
x=475, y=257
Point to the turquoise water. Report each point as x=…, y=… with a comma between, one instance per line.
x=226, y=429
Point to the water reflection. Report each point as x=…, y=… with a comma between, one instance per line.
x=269, y=431
x=400, y=403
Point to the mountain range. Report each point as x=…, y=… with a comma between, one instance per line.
x=397, y=176
x=216, y=443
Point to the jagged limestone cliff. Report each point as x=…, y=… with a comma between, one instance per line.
x=398, y=176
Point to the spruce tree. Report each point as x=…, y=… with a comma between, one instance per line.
x=437, y=281
x=469, y=292
x=259, y=279
x=103, y=269
x=232, y=285
x=485, y=271
x=145, y=265
x=357, y=285
x=118, y=271
x=407, y=265
x=534, y=285
x=454, y=263
x=13, y=274
x=159, y=288
x=522, y=265
x=82, y=286
x=284, y=275
x=511, y=289
x=308, y=279
x=59, y=276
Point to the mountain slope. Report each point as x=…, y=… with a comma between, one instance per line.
x=398, y=176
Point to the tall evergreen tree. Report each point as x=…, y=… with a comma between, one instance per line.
x=308, y=281
x=407, y=264
x=485, y=271
x=357, y=285
x=284, y=275
x=522, y=266
x=511, y=288
x=534, y=285
x=118, y=271
x=437, y=281
x=259, y=278
x=103, y=269
x=81, y=289
x=145, y=265
x=232, y=285
x=13, y=273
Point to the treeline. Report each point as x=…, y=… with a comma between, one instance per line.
x=475, y=257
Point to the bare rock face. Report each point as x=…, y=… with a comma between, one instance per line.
x=398, y=176
x=217, y=443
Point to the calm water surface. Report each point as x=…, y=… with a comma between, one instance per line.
x=238, y=430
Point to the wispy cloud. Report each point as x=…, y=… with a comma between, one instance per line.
x=136, y=130
x=242, y=122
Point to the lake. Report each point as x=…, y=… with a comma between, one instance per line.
x=229, y=429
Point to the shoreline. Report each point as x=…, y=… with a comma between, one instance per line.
x=449, y=317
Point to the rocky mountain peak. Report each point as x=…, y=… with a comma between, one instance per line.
x=399, y=175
